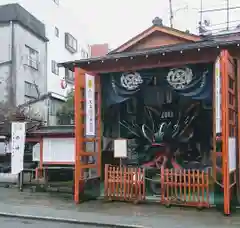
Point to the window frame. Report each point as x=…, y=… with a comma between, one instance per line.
x=71, y=43
x=28, y=92
x=32, y=62
x=54, y=67
x=56, y=31
x=67, y=76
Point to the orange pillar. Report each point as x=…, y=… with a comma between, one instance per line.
x=77, y=116
x=225, y=130
x=99, y=120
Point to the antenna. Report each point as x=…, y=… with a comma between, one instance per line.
x=171, y=13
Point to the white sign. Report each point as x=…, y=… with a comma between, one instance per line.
x=18, y=144
x=90, y=105
x=54, y=150
x=232, y=162
x=218, y=96
x=120, y=148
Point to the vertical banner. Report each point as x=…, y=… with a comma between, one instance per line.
x=90, y=105
x=18, y=144
x=218, y=97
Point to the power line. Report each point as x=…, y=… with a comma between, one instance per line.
x=224, y=23
x=219, y=9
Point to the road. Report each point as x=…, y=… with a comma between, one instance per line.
x=26, y=223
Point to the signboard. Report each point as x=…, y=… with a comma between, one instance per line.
x=18, y=144
x=218, y=96
x=90, y=105
x=232, y=157
x=120, y=148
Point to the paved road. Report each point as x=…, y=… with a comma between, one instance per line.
x=23, y=223
x=153, y=215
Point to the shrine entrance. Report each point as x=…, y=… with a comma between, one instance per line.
x=208, y=90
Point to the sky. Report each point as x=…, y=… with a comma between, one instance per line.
x=115, y=22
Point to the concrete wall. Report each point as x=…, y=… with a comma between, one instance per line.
x=5, y=57
x=45, y=110
x=23, y=72
x=98, y=50
x=37, y=111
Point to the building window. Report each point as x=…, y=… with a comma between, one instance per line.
x=70, y=43
x=69, y=75
x=30, y=91
x=32, y=58
x=55, y=68
x=84, y=54
x=56, y=32
x=56, y=1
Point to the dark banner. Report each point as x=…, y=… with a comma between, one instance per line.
x=194, y=81
x=118, y=87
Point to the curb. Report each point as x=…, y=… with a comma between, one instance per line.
x=73, y=221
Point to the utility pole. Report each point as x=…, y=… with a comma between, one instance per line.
x=201, y=13
x=171, y=13
x=228, y=16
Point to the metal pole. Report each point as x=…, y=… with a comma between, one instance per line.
x=171, y=13
x=228, y=14
x=201, y=12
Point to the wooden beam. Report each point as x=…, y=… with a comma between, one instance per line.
x=154, y=61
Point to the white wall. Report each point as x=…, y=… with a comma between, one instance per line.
x=53, y=15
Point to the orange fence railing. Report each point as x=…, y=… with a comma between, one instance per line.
x=179, y=187
x=124, y=183
x=185, y=187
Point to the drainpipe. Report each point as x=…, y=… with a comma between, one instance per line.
x=12, y=79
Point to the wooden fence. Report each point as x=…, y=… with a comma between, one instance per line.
x=179, y=187
x=124, y=183
x=185, y=187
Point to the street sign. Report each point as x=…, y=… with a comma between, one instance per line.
x=18, y=144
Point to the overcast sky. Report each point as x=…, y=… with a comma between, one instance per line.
x=114, y=22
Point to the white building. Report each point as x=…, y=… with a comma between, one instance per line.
x=66, y=39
